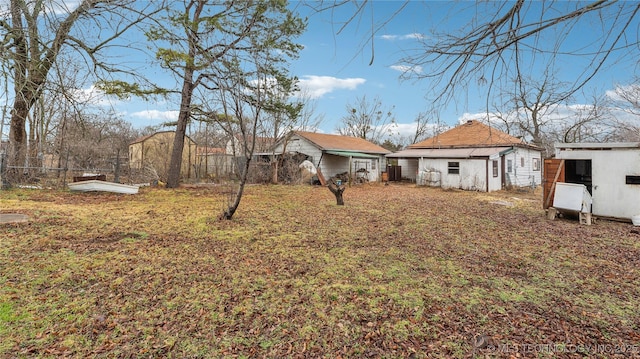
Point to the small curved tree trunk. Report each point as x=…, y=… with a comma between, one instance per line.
x=228, y=213
x=337, y=191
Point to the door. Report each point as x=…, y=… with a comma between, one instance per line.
x=553, y=172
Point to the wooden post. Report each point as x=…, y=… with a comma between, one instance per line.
x=321, y=177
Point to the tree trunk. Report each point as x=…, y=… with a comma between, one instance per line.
x=274, y=170
x=173, y=177
x=337, y=191
x=18, y=133
x=231, y=209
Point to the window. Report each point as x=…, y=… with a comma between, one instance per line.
x=521, y=161
x=632, y=180
x=536, y=164
x=495, y=168
x=454, y=168
x=509, y=166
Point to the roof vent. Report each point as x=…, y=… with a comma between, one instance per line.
x=469, y=122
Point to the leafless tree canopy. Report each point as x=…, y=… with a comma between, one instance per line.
x=34, y=34
x=514, y=51
x=366, y=119
x=492, y=48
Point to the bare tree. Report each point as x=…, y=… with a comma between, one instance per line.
x=591, y=122
x=367, y=120
x=33, y=35
x=626, y=104
x=303, y=118
x=97, y=142
x=628, y=98
x=499, y=40
x=247, y=97
x=538, y=111
x=309, y=119
x=492, y=47
x=530, y=105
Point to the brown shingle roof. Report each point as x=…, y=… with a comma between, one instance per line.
x=342, y=143
x=470, y=134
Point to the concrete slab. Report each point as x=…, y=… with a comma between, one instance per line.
x=13, y=218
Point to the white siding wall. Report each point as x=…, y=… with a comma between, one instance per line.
x=332, y=165
x=612, y=197
x=409, y=168
x=472, y=176
x=299, y=144
x=522, y=172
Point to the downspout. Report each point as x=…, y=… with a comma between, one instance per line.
x=486, y=170
x=350, y=165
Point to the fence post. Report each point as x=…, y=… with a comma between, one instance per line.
x=4, y=184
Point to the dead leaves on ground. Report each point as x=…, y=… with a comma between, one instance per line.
x=398, y=271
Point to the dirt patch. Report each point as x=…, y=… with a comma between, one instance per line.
x=13, y=218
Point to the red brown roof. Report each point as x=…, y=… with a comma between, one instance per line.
x=470, y=134
x=342, y=143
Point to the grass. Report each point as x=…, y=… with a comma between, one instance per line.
x=397, y=272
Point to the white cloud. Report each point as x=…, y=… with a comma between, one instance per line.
x=389, y=37
x=95, y=96
x=317, y=86
x=404, y=68
x=613, y=94
x=622, y=93
x=411, y=36
x=156, y=115
x=65, y=7
x=406, y=129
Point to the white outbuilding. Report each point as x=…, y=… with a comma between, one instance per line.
x=609, y=171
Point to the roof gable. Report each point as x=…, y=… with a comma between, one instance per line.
x=158, y=134
x=341, y=143
x=470, y=134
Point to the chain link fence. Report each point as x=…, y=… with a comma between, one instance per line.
x=56, y=173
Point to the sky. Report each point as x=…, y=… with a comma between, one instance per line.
x=335, y=68
x=338, y=66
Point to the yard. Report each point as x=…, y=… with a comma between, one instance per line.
x=398, y=272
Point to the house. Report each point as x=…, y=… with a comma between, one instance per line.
x=609, y=171
x=235, y=145
x=359, y=159
x=152, y=154
x=472, y=156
